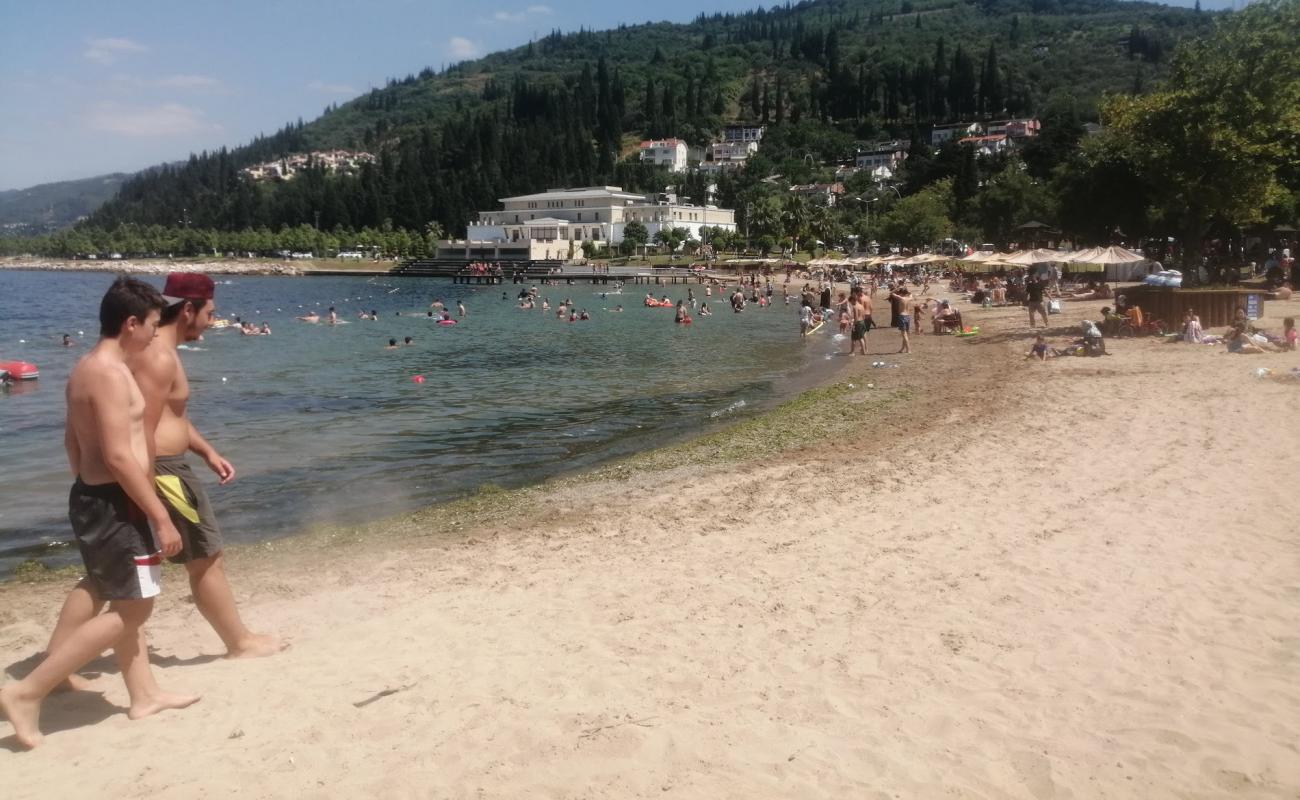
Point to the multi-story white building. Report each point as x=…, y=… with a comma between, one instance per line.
x=671, y=153
x=555, y=223
x=887, y=156
x=727, y=155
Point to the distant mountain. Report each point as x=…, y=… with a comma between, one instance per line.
x=52, y=206
x=567, y=109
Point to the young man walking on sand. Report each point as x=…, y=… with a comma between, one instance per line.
x=112, y=507
x=166, y=390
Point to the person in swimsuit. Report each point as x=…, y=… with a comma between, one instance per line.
x=162, y=379
x=112, y=508
x=898, y=300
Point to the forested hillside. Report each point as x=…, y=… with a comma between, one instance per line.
x=564, y=110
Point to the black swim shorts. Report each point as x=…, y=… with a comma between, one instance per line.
x=117, y=547
x=189, y=508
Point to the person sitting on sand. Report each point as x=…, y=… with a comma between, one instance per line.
x=943, y=315
x=1239, y=340
x=1192, y=333
x=1040, y=350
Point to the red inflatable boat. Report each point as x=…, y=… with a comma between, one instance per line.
x=19, y=370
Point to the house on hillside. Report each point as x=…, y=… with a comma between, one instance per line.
x=940, y=134
x=554, y=224
x=721, y=156
x=883, y=159
x=1014, y=128
x=822, y=194
x=743, y=133
x=670, y=153
x=989, y=145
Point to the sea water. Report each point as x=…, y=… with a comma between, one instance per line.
x=324, y=424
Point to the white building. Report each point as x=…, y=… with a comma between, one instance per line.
x=727, y=155
x=888, y=155
x=670, y=153
x=555, y=223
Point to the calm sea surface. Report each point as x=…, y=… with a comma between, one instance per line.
x=323, y=423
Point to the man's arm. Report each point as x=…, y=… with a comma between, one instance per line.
x=113, y=418
x=201, y=447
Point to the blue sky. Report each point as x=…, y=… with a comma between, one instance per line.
x=95, y=87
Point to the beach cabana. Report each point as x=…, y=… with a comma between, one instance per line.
x=1118, y=263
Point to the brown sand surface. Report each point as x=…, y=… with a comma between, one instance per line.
x=1075, y=579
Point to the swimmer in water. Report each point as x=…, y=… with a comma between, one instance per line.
x=392, y=344
x=617, y=310
x=68, y=342
x=334, y=316
x=437, y=303
x=408, y=341
x=310, y=316
x=704, y=310
x=460, y=309
x=266, y=329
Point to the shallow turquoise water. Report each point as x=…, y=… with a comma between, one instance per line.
x=323, y=423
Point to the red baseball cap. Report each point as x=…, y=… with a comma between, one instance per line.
x=183, y=286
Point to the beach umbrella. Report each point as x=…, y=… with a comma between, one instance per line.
x=1037, y=256
x=980, y=256
x=1081, y=256
x=1111, y=255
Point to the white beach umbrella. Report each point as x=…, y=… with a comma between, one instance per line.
x=1111, y=255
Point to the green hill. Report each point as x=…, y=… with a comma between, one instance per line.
x=52, y=206
x=563, y=110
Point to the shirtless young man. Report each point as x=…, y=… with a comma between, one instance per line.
x=166, y=389
x=860, y=311
x=112, y=507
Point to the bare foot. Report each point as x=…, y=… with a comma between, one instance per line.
x=257, y=645
x=160, y=701
x=24, y=714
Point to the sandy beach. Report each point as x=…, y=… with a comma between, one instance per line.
x=977, y=577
